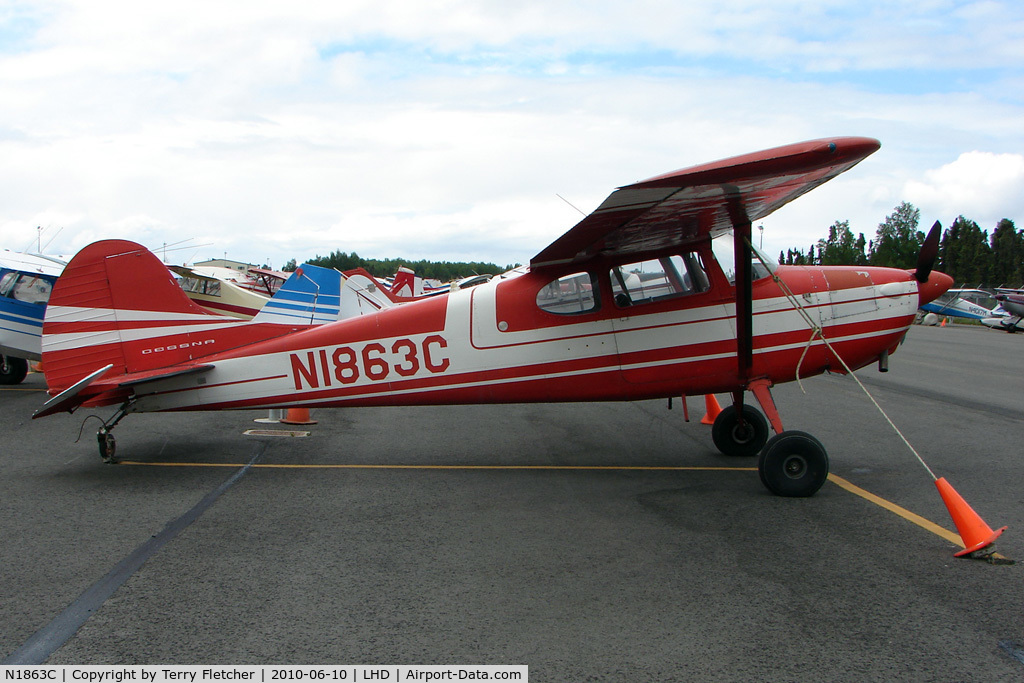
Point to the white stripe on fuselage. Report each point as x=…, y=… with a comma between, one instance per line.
x=480, y=350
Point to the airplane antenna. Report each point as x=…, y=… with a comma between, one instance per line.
x=570, y=203
x=51, y=240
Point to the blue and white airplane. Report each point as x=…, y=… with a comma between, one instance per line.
x=25, y=284
x=973, y=304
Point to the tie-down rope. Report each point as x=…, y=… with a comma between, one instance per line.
x=817, y=332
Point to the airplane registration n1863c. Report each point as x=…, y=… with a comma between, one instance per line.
x=655, y=294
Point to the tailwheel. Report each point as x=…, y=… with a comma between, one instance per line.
x=107, y=445
x=733, y=436
x=793, y=464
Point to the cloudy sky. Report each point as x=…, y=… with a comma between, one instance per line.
x=448, y=129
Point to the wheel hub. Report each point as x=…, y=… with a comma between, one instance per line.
x=794, y=466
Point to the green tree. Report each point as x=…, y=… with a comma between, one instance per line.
x=435, y=270
x=1007, y=262
x=964, y=253
x=841, y=248
x=898, y=240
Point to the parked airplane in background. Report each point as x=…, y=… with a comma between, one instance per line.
x=973, y=304
x=25, y=284
x=218, y=294
x=699, y=317
x=1011, y=301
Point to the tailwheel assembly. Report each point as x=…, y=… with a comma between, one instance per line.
x=107, y=444
x=793, y=464
x=740, y=433
x=104, y=437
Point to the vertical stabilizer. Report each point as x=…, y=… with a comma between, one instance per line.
x=117, y=304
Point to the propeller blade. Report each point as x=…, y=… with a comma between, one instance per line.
x=929, y=252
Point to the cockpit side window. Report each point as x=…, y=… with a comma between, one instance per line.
x=32, y=289
x=569, y=295
x=7, y=283
x=725, y=254
x=658, y=279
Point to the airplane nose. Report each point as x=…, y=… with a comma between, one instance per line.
x=934, y=287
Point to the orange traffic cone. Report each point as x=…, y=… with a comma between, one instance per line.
x=297, y=416
x=971, y=527
x=713, y=409
x=943, y=323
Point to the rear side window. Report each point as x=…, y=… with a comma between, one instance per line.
x=569, y=295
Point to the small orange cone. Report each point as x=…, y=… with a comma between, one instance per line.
x=943, y=323
x=713, y=409
x=297, y=416
x=971, y=527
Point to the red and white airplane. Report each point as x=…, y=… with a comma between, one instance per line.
x=653, y=295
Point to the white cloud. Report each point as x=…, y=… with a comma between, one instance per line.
x=981, y=186
x=445, y=130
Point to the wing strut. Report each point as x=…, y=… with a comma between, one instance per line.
x=741, y=227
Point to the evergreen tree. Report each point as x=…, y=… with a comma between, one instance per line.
x=898, y=240
x=971, y=253
x=841, y=249
x=1007, y=255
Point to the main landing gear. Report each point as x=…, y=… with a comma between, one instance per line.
x=12, y=370
x=791, y=463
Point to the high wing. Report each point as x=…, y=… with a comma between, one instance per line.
x=685, y=206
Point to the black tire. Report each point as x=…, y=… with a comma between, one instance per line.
x=108, y=446
x=732, y=439
x=12, y=370
x=793, y=464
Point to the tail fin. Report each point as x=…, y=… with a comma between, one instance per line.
x=405, y=284
x=117, y=304
x=310, y=296
x=315, y=295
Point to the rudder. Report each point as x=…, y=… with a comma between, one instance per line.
x=116, y=303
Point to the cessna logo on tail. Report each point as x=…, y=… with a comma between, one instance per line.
x=175, y=347
x=376, y=361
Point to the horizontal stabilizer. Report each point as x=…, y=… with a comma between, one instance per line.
x=138, y=378
x=68, y=399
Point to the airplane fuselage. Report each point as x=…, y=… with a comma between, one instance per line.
x=506, y=342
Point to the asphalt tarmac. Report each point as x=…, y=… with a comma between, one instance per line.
x=587, y=541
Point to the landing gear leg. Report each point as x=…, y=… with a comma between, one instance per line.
x=105, y=439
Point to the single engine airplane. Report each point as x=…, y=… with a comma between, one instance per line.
x=26, y=281
x=655, y=294
x=1011, y=301
x=972, y=304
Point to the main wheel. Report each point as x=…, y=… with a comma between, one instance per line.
x=733, y=438
x=12, y=370
x=793, y=464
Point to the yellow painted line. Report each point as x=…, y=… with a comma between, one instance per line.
x=285, y=466
x=35, y=389
x=902, y=512
x=920, y=521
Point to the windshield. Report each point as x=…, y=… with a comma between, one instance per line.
x=722, y=246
